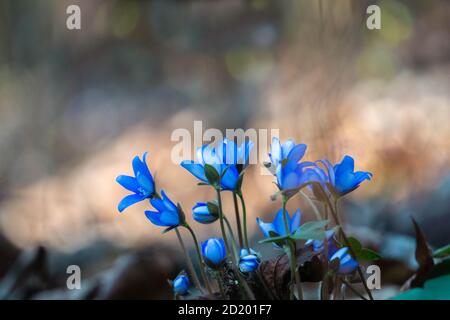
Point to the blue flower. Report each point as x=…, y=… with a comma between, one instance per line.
x=277, y=227
x=142, y=184
x=291, y=174
x=318, y=245
x=248, y=261
x=346, y=262
x=286, y=152
x=205, y=213
x=228, y=160
x=181, y=285
x=341, y=179
x=214, y=252
x=167, y=214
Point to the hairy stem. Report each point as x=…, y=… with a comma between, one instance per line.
x=238, y=219
x=202, y=262
x=244, y=219
x=188, y=261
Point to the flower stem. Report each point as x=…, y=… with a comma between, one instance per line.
x=242, y=283
x=233, y=239
x=238, y=219
x=188, y=260
x=333, y=210
x=295, y=276
x=200, y=258
x=222, y=225
x=244, y=219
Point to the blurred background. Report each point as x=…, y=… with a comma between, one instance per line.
x=77, y=105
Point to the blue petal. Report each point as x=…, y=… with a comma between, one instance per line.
x=128, y=182
x=347, y=165
x=155, y=218
x=265, y=227
x=230, y=178
x=158, y=204
x=170, y=218
x=196, y=169
x=141, y=166
x=275, y=151
x=278, y=222
x=295, y=222
x=168, y=203
x=129, y=200
x=286, y=148
x=145, y=182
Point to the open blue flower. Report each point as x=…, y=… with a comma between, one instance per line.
x=346, y=262
x=167, y=214
x=341, y=179
x=181, y=285
x=142, y=184
x=249, y=260
x=277, y=227
x=288, y=152
x=214, y=252
x=290, y=173
x=205, y=213
x=227, y=159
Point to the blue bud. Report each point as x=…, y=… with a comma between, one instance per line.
x=181, y=285
x=214, y=252
x=249, y=260
x=205, y=212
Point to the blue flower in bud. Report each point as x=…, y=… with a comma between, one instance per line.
x=214, y=252
x=227, y=159
x=181, y=285
x=249, y=260
x=341, y=179
x=205, y=213
x=142, y=184
x=277, y=227
x=346, y=262
x=318, y=245
x=167, y=214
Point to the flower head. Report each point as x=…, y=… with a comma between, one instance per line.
x=167, y=214
x=248, y=261
x=142, y=184
x=181, y=285
x=346, y=262
x=277, y=227
x=205, y=213
x=227, y=159
x=341, y=179
x=214, y=252
x=290, y=173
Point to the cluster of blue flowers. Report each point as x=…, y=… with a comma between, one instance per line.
x=223, y=167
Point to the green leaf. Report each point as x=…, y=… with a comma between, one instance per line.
x=274, y=238
x=369, y=255
x=442, y=252
x=434, y=289
x=212, y=175
x=362, y=253
x=311, y=230
x=356, y=246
